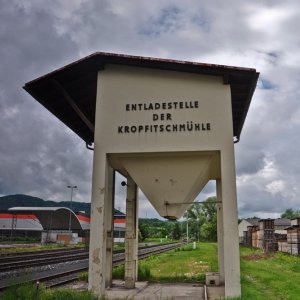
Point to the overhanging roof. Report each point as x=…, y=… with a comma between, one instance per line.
x=70, y=92
x=51, y=218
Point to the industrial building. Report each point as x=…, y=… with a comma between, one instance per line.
x=32, y=221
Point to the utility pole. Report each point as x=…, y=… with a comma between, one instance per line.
x=187, y=230
x=70, y=218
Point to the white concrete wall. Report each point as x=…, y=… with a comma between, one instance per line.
x=121, y=86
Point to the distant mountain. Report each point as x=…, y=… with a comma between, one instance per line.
x=9, y=201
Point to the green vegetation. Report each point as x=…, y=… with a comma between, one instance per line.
x=176, y=233
x=119, y=246
x=119, y=272
x=274, y=276
x=29, y=292
x=84, y=276
x=154, y=228
x=184, y=264
x=203, y=220
x=144, y=272
x=290, y=214
x=264, y=276
x=202, y=223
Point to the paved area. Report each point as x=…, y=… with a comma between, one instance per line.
x=159, y=291
x=215, y=292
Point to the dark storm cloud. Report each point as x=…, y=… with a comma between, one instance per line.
x=38, y=155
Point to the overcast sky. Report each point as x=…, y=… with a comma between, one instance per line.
x=39, y=156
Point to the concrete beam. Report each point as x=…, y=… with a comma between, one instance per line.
x=131, y=236
x=98, y=231
x=109, y=215
x=230, y=225
x=220, y=230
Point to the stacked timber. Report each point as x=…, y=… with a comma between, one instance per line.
x=245, y=238
x=250, y=230
x=293, y=239
x=283, y=246
x=281, y=240
x=267, y=235
x=255, y=237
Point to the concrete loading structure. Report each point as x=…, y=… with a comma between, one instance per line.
x=169, y=127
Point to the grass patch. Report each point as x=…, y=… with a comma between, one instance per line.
x=276, y=276
x=118, y=272
x=29, y=292
x=84, y=276
x=144, y=272
x=119, y=246
x=184, y=264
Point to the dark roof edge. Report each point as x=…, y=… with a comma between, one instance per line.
x=124, y=58
x=250, y=95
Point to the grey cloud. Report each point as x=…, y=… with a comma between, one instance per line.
x=39, y=156
x=35, y=155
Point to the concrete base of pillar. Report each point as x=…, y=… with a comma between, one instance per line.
x=129, y=283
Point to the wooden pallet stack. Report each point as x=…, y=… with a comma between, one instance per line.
x=254, y=236
x=293, y=237
x=246, y=238
x=267, y=235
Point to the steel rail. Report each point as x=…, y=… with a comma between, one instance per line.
x=50, y=257
x=23, y=258
x=62, y=277
x=143, y=253
x=45, y=251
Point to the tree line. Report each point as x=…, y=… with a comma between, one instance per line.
x=199, y=223
x=290, y=214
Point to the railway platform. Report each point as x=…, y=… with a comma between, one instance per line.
x=148, y=291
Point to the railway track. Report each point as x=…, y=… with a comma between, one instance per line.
x=40, y=259
x=64, y=274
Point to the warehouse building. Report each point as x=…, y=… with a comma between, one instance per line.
x=32, y=221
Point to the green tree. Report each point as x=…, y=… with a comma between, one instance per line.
x=156, y=228
x=176, y=233
x=290, y=214
x=144, y=231
x=203, y=218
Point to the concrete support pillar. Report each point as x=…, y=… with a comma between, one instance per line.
x=109, y=215
x=230, y=225
x=99, y=225
x=131, y=236
x=220, y=230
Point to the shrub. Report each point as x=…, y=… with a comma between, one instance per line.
x=144, y=272
x=119, y=272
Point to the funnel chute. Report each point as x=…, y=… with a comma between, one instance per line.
x=170, y=182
